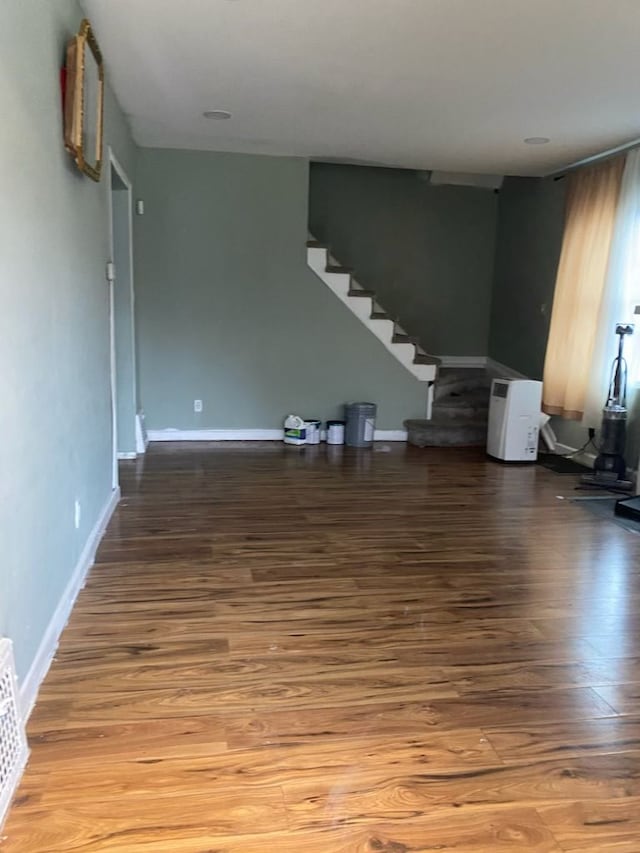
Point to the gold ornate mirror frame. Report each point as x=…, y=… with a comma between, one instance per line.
x=84, y=101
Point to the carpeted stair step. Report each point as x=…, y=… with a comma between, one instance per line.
x=467, y=405
x=460, y=380
x=446, y=432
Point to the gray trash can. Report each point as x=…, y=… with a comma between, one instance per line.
x=361, y=423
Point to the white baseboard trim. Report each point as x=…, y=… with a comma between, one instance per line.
x=42, y=661
x=130, y=454
x=502, y=370
x=390, y=435
x=215, y=434
x=463, y=360
x=142, y=439
x=249, y=435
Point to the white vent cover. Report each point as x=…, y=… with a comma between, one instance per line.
x=482, y=182
x=13, y=743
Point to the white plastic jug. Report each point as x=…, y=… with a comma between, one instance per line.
x=294, y=430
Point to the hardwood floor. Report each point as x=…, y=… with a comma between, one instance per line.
x=321, y=650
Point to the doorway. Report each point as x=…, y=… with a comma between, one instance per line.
x=122, y=328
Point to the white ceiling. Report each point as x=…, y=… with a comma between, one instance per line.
x=427, y=84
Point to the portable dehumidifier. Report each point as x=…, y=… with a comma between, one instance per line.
x=514, y=420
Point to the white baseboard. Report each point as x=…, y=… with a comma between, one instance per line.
x=40, y=666
x=502, y=370
x=142, y=439
x=390, y=435
x=215, y=434
x=463, y=360
x=249, y=435
x=130, y=454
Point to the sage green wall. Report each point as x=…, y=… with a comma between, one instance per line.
x=529, y=238
x=228, y=311
x=427, y=251
x=54, y=326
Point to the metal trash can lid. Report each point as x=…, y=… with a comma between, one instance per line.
x=363, y=406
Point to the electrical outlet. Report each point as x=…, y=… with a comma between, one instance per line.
x=76, y=514
x=197, y=405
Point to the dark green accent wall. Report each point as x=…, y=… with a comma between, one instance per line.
x=529, y=238
x=426, y=251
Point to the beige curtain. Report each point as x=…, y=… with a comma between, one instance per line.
x=592, y=199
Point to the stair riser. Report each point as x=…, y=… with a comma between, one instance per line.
x=449, y=437
x=473, y=413
x=443, y=389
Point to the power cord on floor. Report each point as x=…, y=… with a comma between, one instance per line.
x=591, y=440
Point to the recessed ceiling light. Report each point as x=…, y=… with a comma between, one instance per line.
x=220, y=115
x=537, y=140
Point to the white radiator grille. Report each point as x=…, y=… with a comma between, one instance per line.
x=13, y=743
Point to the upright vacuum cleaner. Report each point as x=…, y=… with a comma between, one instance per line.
x=610, y=468
x=626, y=507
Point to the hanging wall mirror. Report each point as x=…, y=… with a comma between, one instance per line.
x=84, y=97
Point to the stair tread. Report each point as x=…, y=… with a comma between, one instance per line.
x=369, y=293
x=447, y=370
x=422, y=358
x=316, y=244
x=380, y=315
x=405, y=339
x=339, y=269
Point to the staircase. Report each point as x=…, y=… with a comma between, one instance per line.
x=457, y=399
x=364, y=305
x=459, y=413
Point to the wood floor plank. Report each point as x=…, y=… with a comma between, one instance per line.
x=593, y=826
x=151, y=740
x=370, y=758
x=565, y=738
x=553, y=673
x=623, y=698
x=593, y=777
x=181, y=699
x=439, y=715
x=484, y=831
x=351, y=652
x=231, y=671
x=437, y=645
x=126, y=824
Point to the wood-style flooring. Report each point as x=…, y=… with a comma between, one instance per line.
x=324, y=650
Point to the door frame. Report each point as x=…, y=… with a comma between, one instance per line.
x=115, y=167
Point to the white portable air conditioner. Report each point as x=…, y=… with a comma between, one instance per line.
x=514, y=419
